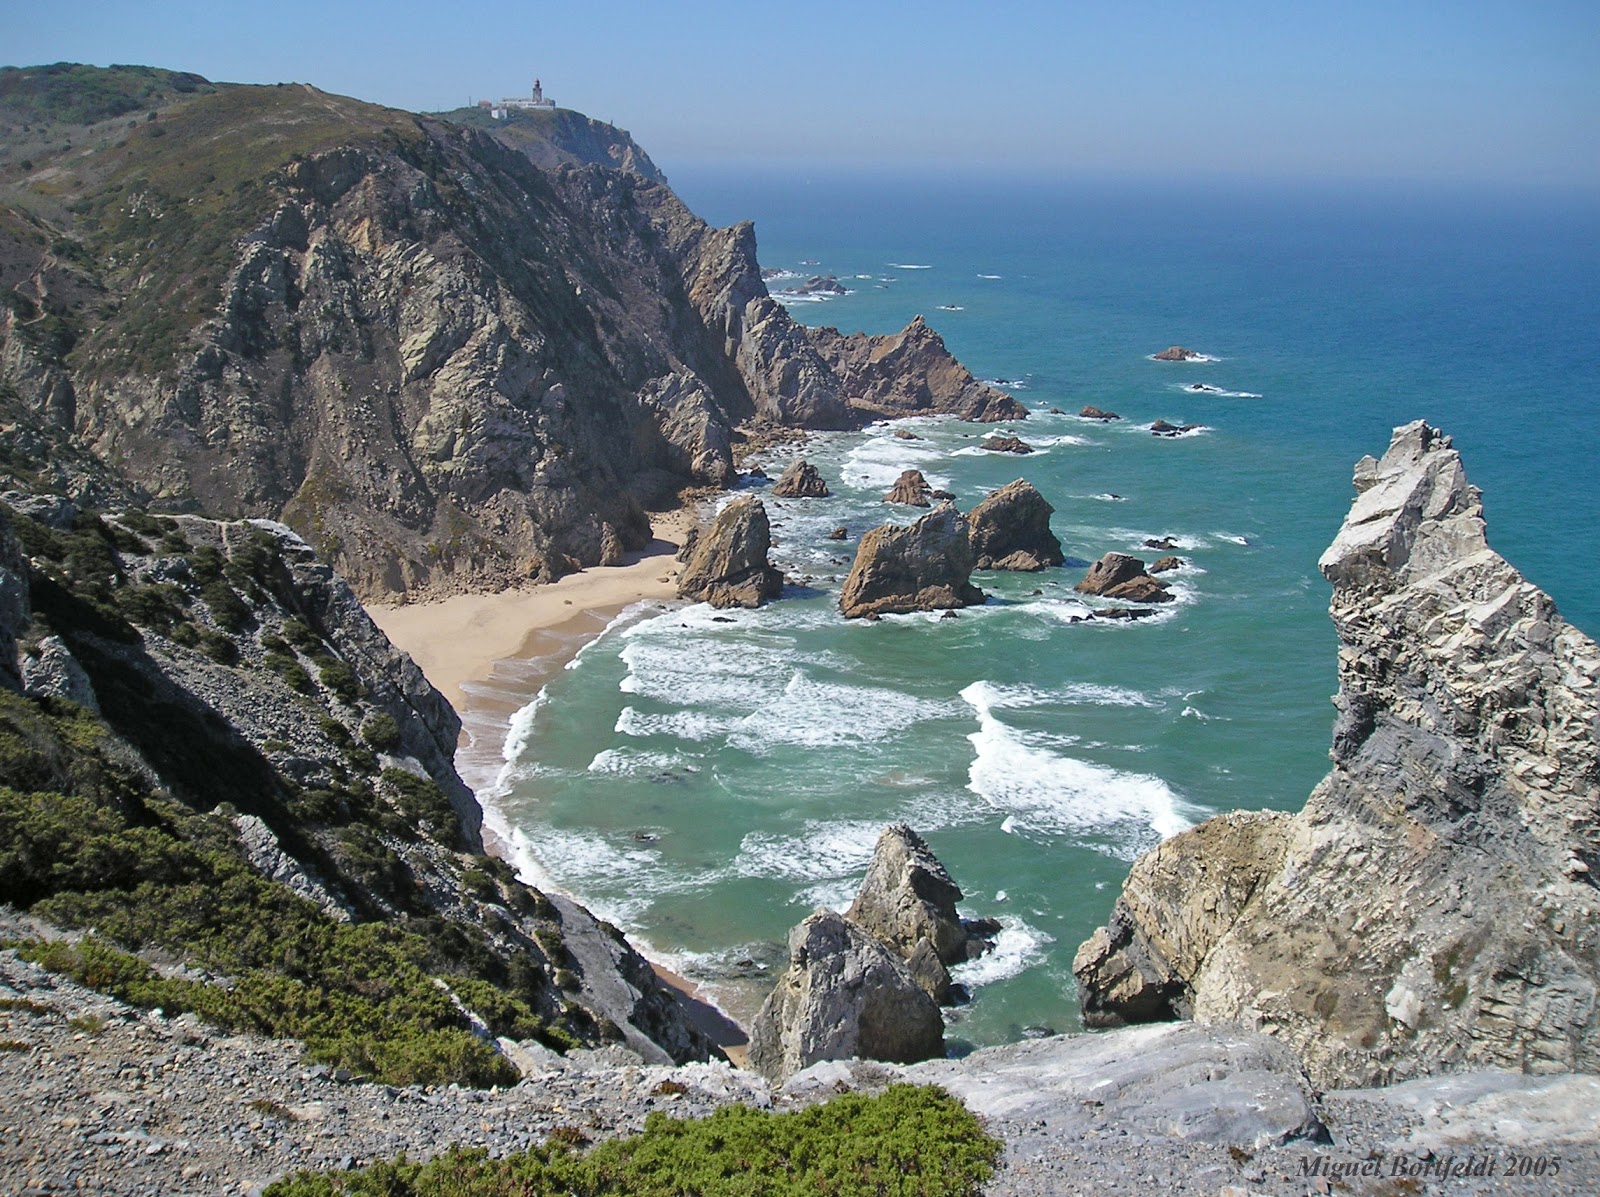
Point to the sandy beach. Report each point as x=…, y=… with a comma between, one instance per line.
x=490, y=654
x=457, y=641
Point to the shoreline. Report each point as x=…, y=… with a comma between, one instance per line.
x=491, y=654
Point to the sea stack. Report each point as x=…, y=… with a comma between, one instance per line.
x=1010, y=529
x=1433, y=907
x=926, y=567
x=800, y=481
x=728, y=564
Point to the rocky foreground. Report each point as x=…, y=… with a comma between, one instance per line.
x=106, y=1099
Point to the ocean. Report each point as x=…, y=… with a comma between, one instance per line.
x=705, y=779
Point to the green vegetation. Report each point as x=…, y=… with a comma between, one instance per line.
x=907, y=1142
x=70, y=93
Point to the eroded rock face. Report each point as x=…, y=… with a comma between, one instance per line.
x=1433, y=907
x=1010, y=529
x=844, y=994
x=729, y=566
x=800, y=481
x=926, y=567
x=1121, y=576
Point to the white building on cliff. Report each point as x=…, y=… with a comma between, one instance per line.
x=535, y=101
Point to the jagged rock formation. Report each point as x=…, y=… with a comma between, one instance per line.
x=800, y=481
x=1090, y=412
x=728, y=565
x=908, y=903
x=910, y=489
x=1434, y=906
x=911, y=373
x=1010, y=529
x=1163, y=428
x=1165, y=565
x=223, y=668
x=926, y=567
x=1121, y=576
x=445, y=367
x=844, y=994
x=1176, y=353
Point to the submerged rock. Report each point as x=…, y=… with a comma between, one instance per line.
x=926, y=567
x=911, y=488
x=1120, y=576
x=1162, y=428
x=844, y=994
x=1433, y=906
x=800, y=481
x=1010, y=529
x=729, y=566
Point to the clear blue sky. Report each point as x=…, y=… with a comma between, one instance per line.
x=1494, y=90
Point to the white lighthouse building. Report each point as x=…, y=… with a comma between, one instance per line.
x=536, y=100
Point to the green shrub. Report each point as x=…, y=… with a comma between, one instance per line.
x=423, y=804
x=230, y=611
x=380, y=731
x=219, y=646
x=907, y=1142
x=289, y=669
x=339, y=678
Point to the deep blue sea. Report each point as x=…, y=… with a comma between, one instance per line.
x=705, y=779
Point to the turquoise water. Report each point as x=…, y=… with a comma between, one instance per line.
x=705, y=779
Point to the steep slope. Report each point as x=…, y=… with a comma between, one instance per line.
x=551, y=138
x=210, y=754
x=1434, y=906
x=445, y=367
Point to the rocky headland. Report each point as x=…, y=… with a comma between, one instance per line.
x=1433, y=907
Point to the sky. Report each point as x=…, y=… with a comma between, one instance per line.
x=1470, y=90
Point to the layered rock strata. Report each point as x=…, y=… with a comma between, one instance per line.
x=926, y=567
x=910, y=373
x=1010, y=529
x=728, y=566
x=1434, y=905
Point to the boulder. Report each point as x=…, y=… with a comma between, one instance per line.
x=843, y=995
x=1166, y=565
x=1094, y=413
x=839, y=533
x=1119, y=576
x=1005, y=444
x=1433, y=906
x=1164, y=544
x=729, y=566
x=906, y=435
x=911, y=488
x=926, y=567
x=800, y=481
x=1177, y=353
x=1010, y=529
x=1127, y=613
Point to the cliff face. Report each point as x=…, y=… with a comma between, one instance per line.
x=1434, y=905
x=445, y=367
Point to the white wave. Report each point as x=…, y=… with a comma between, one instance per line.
x=694, y=725
x=1108, y=497
x=868, y=277
x=906, y=266
x=991, y=276
x=1232, y=538
x=835, y=894
x=1006, y=384
x=780, y=273
x=877, y=463
x=576, y=858
x=1004, y=698
x=1064, y=438
x=1017, y=948
x=1202, y=388
x=791, y=297
x=951, y=307
x=821, y=851
x=1196, y=430
x=1057, y=794
x=627, y=762
x=1191, y=360
x=1196, y=713
x=815, y=714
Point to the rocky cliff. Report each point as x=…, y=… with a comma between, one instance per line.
x=1434, y=905
x=441, y=363
x=209, y=754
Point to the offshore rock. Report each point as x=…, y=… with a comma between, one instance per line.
x=1091, y=412
x=908, y=897
x=800, y=481
x=910, y=373
x=1433, y=907
x=1177, y=353
x=1166, y=565
x=1120, y=576
x=844, y=994
x=926, y=567
x=1010, y=529
x=1005, y=444
x=729, y=566
x=911, y=489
